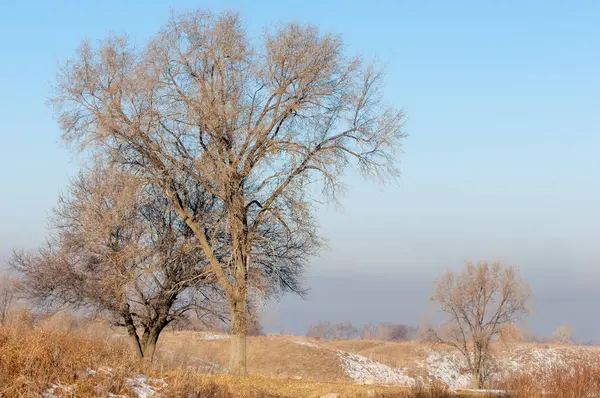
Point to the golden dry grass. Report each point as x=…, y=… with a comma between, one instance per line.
x=256, y=385
x=32, y=359
x=271, y=355
x=395, y=354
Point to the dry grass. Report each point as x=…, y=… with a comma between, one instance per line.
x=271, y=355
x=395, y=354
x=32, y=359
x=565, y=382
x=260, y=386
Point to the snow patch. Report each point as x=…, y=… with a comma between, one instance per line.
x=498, y=392
x=58, y=390
x=446, y=367
x=91, y=372
x=363, y=369
x=211, y=336
x=307, y=343
x=145, y=387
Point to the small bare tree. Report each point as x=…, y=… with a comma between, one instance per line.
x=476, y=303
x=119, y=250
x=7, y=294
x=395, y=332
x=260, y=128
x=563, y=335
x=322, y=330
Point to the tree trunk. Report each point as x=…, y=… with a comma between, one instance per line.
x=476, y=380
x=150, y=347
x=136, y=340
x=477, y=361
x=237, y=356
x=149, y=341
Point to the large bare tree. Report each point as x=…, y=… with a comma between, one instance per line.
x=118, y=249
x=261, y=125
x=476, y=303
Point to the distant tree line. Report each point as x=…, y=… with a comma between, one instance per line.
x=385, y=331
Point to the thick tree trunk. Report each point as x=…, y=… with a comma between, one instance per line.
x=237, y=298
x=478, y=365
x=237, y=356
x=476, y=380
x=150, y=347
x=149, y=340
x=136, y=340
x=131, y=330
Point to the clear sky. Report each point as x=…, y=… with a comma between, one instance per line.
x=502, y=162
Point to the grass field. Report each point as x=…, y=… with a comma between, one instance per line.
x=54, y=360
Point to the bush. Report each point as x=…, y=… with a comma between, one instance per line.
x=346, y=330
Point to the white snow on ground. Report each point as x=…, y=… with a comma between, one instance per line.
x=307, y=343
x=58, y=390
x=449, y=366
x=446, y=367
x=145, y=387
x=142, y=386
x=361, y=368
x=546, y=359
x=499, y=392
x=211, y=336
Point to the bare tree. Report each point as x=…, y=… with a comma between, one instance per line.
x=7, y=294
x=119, y=250
x=322, y=330
x=563, y=335
x=476, y=303
x=395, y=332
x=261, y=128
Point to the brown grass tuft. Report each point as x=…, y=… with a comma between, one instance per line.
x=581, y=380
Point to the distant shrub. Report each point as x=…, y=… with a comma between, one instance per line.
x=563, y=335
x=385, y=331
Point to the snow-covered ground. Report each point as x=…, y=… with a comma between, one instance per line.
x=145, y=387
x=449, y=366
x=307, y=343
x=58, y=390
x=141, y=386
x=362, y=369
x=211, y=336
x=446, y=367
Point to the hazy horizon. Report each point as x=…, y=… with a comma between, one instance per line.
x=501, y=163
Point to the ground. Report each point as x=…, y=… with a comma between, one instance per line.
x=360, y=361
x=44, y=360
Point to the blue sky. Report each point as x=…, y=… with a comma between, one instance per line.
x=503, y=106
